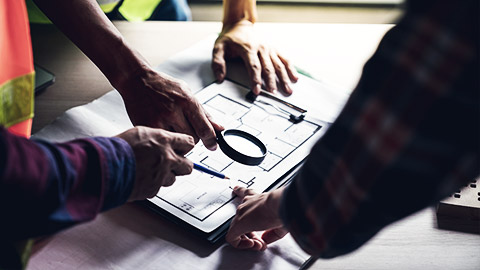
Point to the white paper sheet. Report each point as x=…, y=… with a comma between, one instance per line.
x=126, y=238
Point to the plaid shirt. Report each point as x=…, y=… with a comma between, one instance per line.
x=407, y=137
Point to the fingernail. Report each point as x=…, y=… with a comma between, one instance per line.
x=212, y=148
x=218, y=76
x=288, y=89
x=256, y=89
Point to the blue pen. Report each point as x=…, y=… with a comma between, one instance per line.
x=211, y=172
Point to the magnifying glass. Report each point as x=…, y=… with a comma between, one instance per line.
x=241, y=146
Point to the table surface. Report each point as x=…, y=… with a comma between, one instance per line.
x=332, y=52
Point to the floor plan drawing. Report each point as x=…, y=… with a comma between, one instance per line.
x=204, y=200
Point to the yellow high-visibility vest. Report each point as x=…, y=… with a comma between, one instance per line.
x=132, y=10
x=16, y=98
x=16, y=68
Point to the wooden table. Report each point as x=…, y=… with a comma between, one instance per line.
x=335, y=53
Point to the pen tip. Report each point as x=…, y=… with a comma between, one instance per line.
x=226, y=177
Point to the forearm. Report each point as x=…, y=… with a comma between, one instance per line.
x=238, y=10
x=88, y=27
x=54, y=186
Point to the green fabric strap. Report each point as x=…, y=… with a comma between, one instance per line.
x=138, y=10
x=16, y=100
x=15, y=255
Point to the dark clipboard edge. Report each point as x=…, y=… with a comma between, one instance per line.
x=218, y=234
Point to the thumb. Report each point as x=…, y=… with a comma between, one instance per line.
x=273, y=235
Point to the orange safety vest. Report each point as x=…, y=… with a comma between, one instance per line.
x=16, y=68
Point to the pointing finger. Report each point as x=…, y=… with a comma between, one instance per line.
x=202, y=126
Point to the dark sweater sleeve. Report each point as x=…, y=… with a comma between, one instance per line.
x=45, y=187
x=407, y=137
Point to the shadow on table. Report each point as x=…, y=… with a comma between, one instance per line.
x=142, y=221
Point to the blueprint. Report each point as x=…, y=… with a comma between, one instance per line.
x=205, y=201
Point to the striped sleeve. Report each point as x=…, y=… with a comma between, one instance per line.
x=45, y=187
x=407, y=137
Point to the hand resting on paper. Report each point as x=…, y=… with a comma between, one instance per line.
x=159, y=157
x=257, y=222
x=239, y=40
x=157, y=100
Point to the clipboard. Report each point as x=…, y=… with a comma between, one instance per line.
x=205, y=205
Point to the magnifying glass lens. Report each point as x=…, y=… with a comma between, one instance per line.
x=243, y=145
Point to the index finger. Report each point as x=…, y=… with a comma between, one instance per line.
x=202, y=126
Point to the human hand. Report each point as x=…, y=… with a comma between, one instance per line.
x=157, y=100
x=159, y=157
x=239, y=40
x=257, y=212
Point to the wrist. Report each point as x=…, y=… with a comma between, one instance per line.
x=239, y=10
x=132, y=79
x=125, y=64
x=273, y=203
x=241, y=23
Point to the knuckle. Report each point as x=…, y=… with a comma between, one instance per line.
x=170, y=159
x=268, y=70
x=190, y=141
x=278, y=66
x=255, y=66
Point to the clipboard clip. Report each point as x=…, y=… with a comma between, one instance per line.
x=251, y=97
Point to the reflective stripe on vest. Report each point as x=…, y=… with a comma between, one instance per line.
x=16, y=65
x=16, y=100
x=35, y=15
x=138, y=10
x=131, y=10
